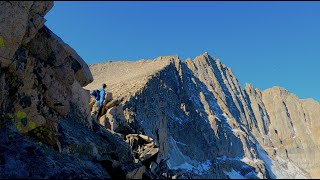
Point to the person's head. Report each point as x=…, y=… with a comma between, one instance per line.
x=104, y=86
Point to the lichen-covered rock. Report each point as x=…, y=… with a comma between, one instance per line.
x=45, y=78
x=20, y=22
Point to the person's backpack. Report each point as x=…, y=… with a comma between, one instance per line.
x=96, y=94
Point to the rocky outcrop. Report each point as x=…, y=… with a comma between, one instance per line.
x=20, y=22
x=45, y=125
x=79, y=157
x=42, y=77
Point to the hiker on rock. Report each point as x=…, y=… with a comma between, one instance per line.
x=102, y=94
x=97, y=96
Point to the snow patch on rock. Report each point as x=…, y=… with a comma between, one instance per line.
x=280, y=168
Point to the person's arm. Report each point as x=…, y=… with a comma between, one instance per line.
x=102, y=93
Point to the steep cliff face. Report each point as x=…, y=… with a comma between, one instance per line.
x=195, y=111
x=207, y=125
x=292, y=127
x=45, y=125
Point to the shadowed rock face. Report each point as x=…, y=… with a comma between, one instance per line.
x=206, y=124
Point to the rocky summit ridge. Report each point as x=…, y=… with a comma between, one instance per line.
x=205, y=123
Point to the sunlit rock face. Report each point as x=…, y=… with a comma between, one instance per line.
x=293, y=128
x=41, y=76
x=207, y=125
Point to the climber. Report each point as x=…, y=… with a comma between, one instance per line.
x=96, y=102
x=100, y=98
x=102, y=94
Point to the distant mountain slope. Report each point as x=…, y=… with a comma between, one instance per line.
x=205, y=123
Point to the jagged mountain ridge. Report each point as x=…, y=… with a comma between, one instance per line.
x=182, y=103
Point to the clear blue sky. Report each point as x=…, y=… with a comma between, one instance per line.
x=264, y=43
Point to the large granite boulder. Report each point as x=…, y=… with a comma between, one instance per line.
x=45, y=124
x=41, y=76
